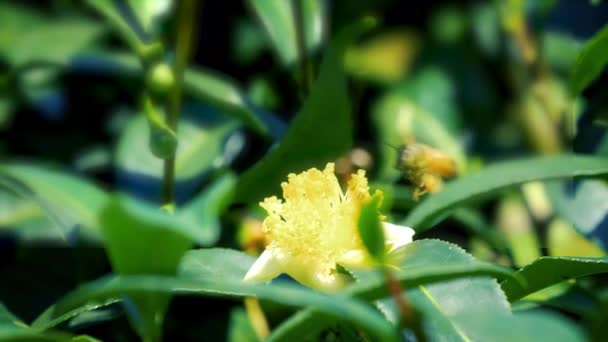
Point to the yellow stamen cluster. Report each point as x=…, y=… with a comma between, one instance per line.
x=316, y=222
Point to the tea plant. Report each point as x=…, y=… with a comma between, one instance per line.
x=375, y=174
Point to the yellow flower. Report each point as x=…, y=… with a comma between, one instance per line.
x=315, y=227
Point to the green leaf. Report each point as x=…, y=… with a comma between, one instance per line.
x=204, y=210
x=277, y=17
x=200, y=147
x=383, y=59
x=325, y=115
x=583, y=203
x=525, y=326
x=590, y=61
x=348, y=310
x=149, y=11
x=54, y=41
x=209, y=87
x=15, y=210
x=495, y=178
x=547, y=271
x=240, y=329
x=425, y=262
x=215, y=264
x=444, y=304
x=370, y=230
x=15, y=20
x=475, y=223
x=50, y=318
x=142, y=239
x=134, y=234
x=517, y=228
x=564, y=240
x=13, y=329
x=8, y=318
x=128, y=32
x=560, y=50
x=69, y=200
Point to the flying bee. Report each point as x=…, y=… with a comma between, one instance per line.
x=424, y=167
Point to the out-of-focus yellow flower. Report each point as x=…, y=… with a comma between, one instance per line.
x=315, y=227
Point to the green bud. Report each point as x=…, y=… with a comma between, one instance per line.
x=160, y=79
x=163, y=140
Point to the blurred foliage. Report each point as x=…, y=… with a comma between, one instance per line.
x=513, y=91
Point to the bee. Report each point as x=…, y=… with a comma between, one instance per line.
x=424, y=167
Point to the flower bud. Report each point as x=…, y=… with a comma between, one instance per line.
x=160, y=79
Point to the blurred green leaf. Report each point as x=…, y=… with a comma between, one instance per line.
x=223, y=94
x=370, y=230
x=517, y=228
x=348, y=310
x=475, y=223
x=385, y=58
x=141, y=239
x=325, y=116
x=15, y=20
x=425, y=262
x=200, y=147
x=498, y=176
x=486, y=27
x=8, y=318
x=277, y=17
x=449, y=24
x=15, y=210
x=560, y=50
x=27, y=36
x=524, y=326
x=240, y=329
x=584, y=203
x=590, y=62
x=204, y=211
x=127, y=29
x=6, y=112
x=564, y=240
x=547, y=271
x=69, y=200
x=149, y=12
x=134, y=231
x=248, y=41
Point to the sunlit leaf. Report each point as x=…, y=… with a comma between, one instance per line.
x=325, y=116
x=277, y=17
x=548, y=271
x=590, y=61
x=70, y=201
x=342, y=308
x=427, y=264
x=496, y=177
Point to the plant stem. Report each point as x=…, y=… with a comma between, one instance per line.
x=408, y=317
x=256, y=317
x=303, y=61
x=187, y=10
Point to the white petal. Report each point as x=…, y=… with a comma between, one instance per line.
x=397, y=236
x=263, y=269
x=355, y=258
